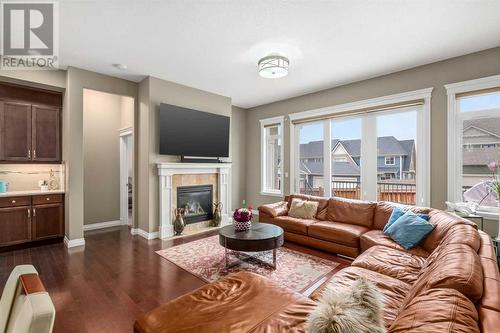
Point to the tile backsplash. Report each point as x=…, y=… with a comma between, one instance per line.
x=25, y=177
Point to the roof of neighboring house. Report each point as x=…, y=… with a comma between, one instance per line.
x=491, y=125
x=339, y=168
x=409, y=146
x=480, y=156
x=386, y=145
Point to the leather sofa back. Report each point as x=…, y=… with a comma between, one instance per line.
x=351, y=211
x=384, y=210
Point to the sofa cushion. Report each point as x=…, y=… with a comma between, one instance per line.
x=351, y=211
x=241, y=302
x=377, y=237
x=400, y=265
x=384, y=210
x=454, y=266
x=454, y=228
x=393, y=290
x=322, y=203
x=409, y=230
x=437, y=310
x=303, y=209
x=342, y=233
x=275, y=209
x=292, y=224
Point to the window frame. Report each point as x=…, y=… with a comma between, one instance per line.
x=369, y=182
x=393, y=160
x=455, y=132
x=264, y=123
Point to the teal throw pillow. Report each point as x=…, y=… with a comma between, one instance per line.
x=409, y=230
x=397, y=213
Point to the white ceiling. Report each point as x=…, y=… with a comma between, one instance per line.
x=215, y=45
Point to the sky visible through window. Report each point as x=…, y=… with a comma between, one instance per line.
x=480, y=102
x=400, y=125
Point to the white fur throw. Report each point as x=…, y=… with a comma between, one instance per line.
x=303, y=209
x=357, y=309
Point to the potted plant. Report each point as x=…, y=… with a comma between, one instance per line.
x=495, y=186
x=242, y=219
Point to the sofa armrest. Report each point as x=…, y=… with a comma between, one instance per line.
x=275, y=209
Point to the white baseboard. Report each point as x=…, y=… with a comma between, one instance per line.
x=102, y=225
x=73, y=242
x=145, y=234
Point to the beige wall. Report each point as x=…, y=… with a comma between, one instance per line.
x=435, y=75
x=238, y=156
x=76, y=80
x=103, y=115
x=152, y=92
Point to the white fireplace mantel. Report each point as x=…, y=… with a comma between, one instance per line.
x=167, y=170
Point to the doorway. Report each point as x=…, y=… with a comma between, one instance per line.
x=126, y=175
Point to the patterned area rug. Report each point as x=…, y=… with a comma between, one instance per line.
x=205, y=259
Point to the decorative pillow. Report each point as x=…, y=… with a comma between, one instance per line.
x=409, y=230
x=302, y=209
x=355, y=309
x=397, y=213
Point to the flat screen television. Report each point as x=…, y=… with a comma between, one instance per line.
x=188, y=132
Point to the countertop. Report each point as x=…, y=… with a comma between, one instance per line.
x=29, y=192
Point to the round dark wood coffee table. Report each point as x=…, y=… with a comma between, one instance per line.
x=261, y=237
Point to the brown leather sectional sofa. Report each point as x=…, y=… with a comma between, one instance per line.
x=449, y=283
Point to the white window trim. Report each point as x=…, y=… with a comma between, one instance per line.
x=423, y=139
x=263, y=123
x=454, y=129
x=393, y=160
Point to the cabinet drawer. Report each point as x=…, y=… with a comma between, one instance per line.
x=15, y=201
x=45, y=199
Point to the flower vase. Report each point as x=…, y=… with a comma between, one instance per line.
x=242, y=226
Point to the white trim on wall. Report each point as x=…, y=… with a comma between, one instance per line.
x=455, y=129
x=280, y=120
x=145, y=234
x=102, y=225
x=423, y=135
x=73, y=242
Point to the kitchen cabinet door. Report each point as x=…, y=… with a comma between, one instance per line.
x=48, y=221
x=15, y=131
x=15, y=225
x=45, y=126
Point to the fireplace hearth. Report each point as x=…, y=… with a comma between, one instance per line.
x=197, y=202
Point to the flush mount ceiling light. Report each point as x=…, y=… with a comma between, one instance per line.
x=120, y=66
x=273, y=66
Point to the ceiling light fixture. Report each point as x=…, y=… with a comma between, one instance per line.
x=273, y=66
x=121, y=67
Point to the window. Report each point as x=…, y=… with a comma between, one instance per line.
x=350, y=133
x=474, y=140
x=390, y=160
x=272, y=156
x=311, y=166
x=397, y=134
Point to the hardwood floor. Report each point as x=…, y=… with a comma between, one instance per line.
x=115, y=278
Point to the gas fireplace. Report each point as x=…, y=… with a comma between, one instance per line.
x=197, y=202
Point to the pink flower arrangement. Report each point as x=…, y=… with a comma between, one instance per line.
x=243, y=214
x=495, y=184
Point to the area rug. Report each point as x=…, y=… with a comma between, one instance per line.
x=205, y=259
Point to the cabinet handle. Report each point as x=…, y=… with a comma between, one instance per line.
x=29, y=213
x=13, y=201
x=34, y=212
x=29, y=153
x=48, y=198
x=34, y=153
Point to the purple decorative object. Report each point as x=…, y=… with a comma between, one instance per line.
x=242, y=219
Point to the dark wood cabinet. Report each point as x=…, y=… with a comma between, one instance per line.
x=40, y=217
x=15, y=131
x=15, y=225
x=29, y=131
x=47, y=221
x=45, y=133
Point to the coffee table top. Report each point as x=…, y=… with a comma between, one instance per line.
x=260, y=237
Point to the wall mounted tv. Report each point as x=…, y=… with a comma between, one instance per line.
x=188, y=132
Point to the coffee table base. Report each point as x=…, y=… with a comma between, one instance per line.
x=244, y=256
